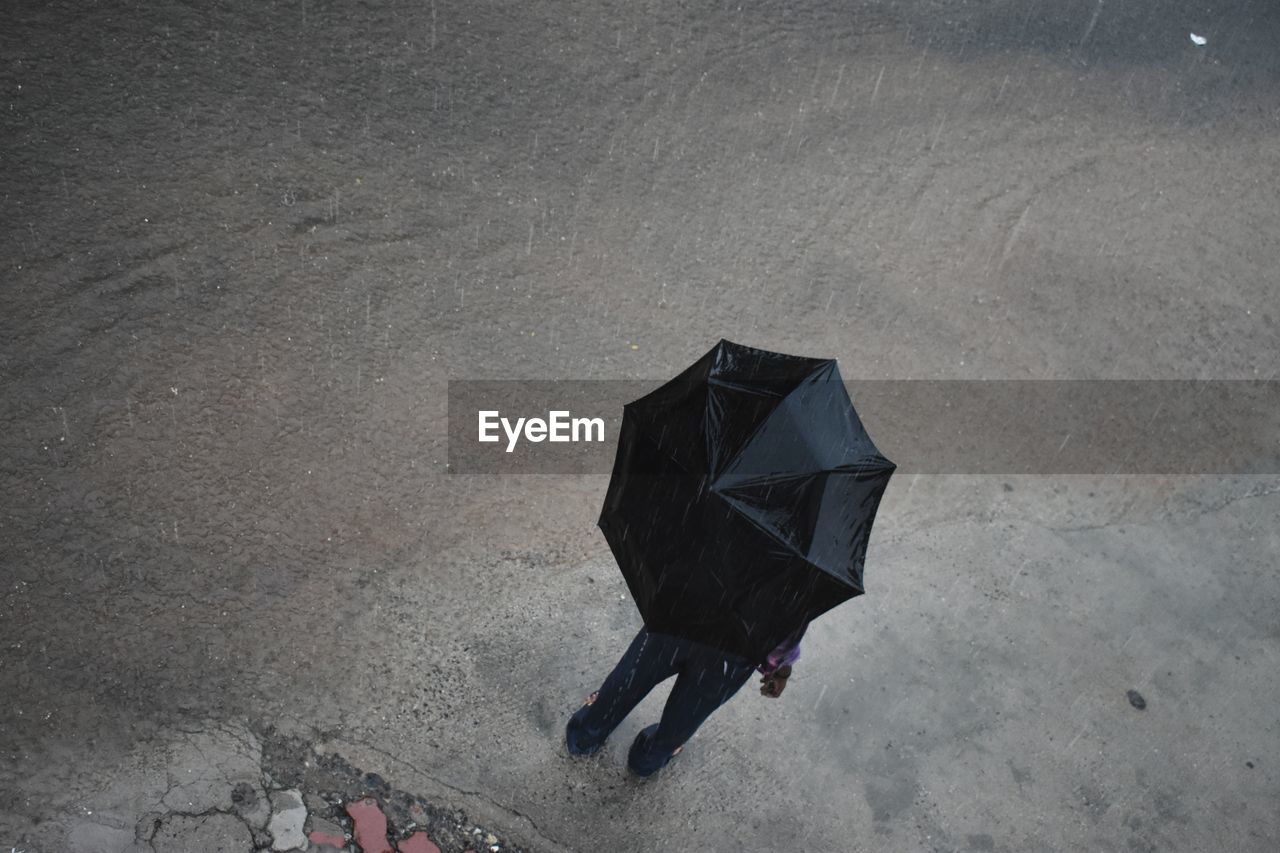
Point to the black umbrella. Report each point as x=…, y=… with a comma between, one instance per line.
x=742, y=498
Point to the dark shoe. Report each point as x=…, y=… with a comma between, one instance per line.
x=640, y=761
x=573, y=737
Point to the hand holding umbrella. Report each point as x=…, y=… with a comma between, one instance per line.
x=773, y=685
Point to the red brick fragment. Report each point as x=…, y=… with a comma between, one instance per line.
x=370, y=826
x=324, y=840
x=418, y=843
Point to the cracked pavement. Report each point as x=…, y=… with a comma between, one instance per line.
x=217, y=789
x=248, y=246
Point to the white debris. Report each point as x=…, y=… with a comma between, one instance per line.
x=1200, y=40
x=289, y=815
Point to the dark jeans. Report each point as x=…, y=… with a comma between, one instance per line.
x=706, y=678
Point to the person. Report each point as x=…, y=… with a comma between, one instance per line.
x=706, y=678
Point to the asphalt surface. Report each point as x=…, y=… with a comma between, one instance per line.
x=246, y=247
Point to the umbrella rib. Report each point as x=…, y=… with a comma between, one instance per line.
x=768, y=479
x=783, y=542
x=782, y=399
x=732, y=504
x=870, y=467
x=747, y=389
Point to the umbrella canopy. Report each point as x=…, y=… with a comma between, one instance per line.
x=742, y=498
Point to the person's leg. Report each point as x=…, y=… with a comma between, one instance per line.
x=705, y=682
x=648, y=660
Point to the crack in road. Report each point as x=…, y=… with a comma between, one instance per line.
x=159, y=822
x=463, y=791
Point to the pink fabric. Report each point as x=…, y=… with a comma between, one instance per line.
x=786, y=654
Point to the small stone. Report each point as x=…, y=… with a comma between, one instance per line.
x=1249, y=764
x=1136, y=700
x=288, y=815
x=491, y=839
